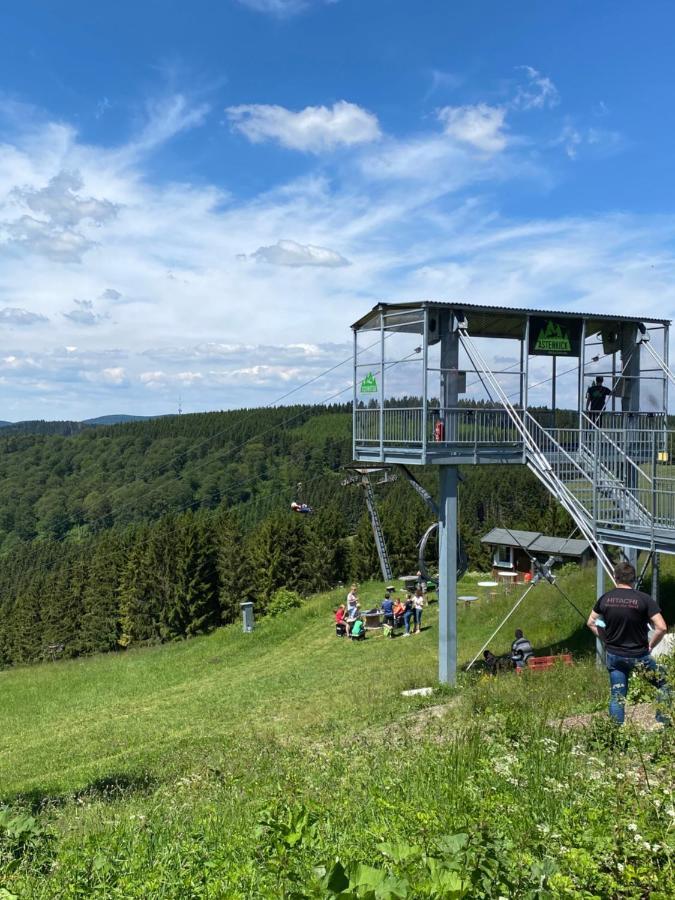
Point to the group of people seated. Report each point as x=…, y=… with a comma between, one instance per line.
x=521, y=651
x=395, y=613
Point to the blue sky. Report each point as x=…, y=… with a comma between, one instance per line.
x=197, y=199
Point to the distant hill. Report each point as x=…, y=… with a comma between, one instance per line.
x=66, y=428
x=116, y=419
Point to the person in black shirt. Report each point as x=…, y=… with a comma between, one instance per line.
x=596, y=397
x=621, y=618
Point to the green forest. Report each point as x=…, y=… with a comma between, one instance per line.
x=156, y=530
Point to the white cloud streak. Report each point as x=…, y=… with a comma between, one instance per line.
x=481, y=126
x=315, y=129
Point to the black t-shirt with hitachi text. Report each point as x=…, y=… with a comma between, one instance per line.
x=626, y=613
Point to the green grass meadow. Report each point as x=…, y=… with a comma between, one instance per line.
x=286, y=763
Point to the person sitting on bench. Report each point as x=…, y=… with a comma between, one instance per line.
x=358, y=631
x=340, y=624
x=521, y=650
x=399, y=610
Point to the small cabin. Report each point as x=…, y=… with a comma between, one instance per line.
x=513, y=550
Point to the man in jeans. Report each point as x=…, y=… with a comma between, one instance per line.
x=621, y=618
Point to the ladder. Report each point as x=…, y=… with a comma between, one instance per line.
x=378, y=534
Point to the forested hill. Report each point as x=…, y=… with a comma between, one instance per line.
x=158, y=529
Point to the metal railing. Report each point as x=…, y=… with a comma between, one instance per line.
x=619, y=473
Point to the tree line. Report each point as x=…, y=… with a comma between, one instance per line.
x=190, y=516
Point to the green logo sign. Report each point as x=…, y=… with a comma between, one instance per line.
x=369, y=384
x=552, y=339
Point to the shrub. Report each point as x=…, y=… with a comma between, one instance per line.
x=282, y=600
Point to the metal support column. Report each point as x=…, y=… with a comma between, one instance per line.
x=447, y=578
x=449, y=373
x=630, y=405
x=355, y=398
x=582, y=373
x=599, y=591
x=448, y=521
x=381, y=416
x=425, y=383
x=656, y=574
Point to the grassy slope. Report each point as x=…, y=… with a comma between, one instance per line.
x=67, y=724
x=149, y=771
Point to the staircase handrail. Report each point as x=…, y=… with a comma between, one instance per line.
x=542, y=469
x=605, y=437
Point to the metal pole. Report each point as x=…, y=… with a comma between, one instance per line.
x=381, y=385
x=448, y=521
x=582, y=371
x=425, y=377
x=447, y=576
x=666, y=355
x=355, y=400
x=613, y=382
x=656, y=574
x=553, y=387
x=525, y=371
x=599, y=591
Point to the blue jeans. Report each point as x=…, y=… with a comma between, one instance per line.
x=619, y=668
x=407, y=616
x=418, y=618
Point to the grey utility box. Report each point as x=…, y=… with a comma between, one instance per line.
x=247, y=616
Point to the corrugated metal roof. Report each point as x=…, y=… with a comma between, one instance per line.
x=559, y=546
x=517, y=315
x=535, y=542
x=510, y=537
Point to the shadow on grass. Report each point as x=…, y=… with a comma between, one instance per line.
x=116, y=786
x=580, y=643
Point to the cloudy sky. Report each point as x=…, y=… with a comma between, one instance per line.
x=197, y=199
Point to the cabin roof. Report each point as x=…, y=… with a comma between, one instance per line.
x=488, y=321
x=535, y=542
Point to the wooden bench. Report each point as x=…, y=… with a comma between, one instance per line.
x=547, y=662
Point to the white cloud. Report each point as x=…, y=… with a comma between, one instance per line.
x=283, y=8
x=415, y=216
x=538, y=92
x=61, y=222
x=315, y=129
x=13, y=315
x=84, y=314
x=479, y=126
x=114, y=375
x=290, y=253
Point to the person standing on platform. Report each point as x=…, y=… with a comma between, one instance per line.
x=621, y=618
x=596, y=397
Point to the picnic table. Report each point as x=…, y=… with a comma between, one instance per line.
x=373, y=618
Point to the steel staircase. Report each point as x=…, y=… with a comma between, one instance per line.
x=556, y=468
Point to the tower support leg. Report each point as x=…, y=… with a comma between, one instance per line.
x=656, y=574
x=599, y=591
x=447, y=587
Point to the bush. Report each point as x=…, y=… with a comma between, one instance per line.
x=282, y=600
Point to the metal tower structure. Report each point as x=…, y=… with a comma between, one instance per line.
x=362, y=477
x=610, y=469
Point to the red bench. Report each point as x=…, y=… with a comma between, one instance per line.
x=547, y=662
